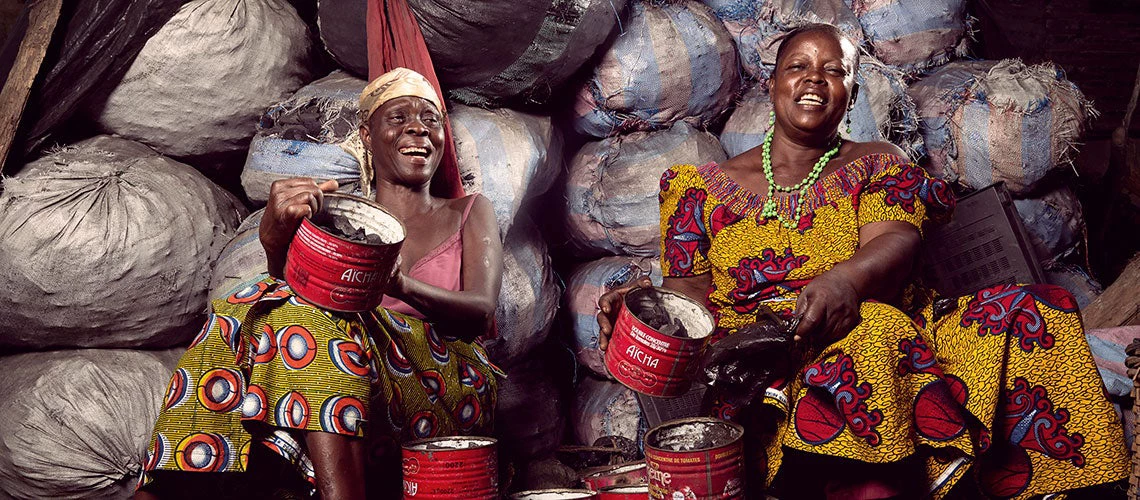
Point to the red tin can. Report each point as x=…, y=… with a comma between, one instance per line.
x=334, y=273
x=695, y=459
x=648, y=361
x=598, y=478
x=452, y=468
x=555, y=494
x=627, y=492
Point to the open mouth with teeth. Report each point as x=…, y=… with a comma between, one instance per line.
x=811, y=99
x=415, y=151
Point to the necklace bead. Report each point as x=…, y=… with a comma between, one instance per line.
x=769, y=211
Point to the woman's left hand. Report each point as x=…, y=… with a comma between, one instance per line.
x=828, y=308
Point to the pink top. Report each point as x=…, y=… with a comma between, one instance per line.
x=439, y=267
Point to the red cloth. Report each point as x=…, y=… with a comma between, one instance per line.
x=395, y=41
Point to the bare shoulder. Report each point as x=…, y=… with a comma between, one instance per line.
x=482, y=214
x=861, y=149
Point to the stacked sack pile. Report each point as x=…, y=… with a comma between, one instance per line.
x=111, y=247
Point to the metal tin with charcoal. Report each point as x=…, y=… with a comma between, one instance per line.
x=626, y=492
x=657, y=341
x=555, y=494
x=341, y=256
x=696, y=458
x=598, y=478
x=451, y=468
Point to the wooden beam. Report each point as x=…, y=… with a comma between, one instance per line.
x=1119, y=305
x=43, y=15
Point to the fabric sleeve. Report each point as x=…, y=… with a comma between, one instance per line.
x=684, y=239
x=902, y=191
x=309, y=371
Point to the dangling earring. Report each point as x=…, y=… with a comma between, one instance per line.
x=848, y=123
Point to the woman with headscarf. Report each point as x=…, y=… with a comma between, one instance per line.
x=897, y=395
x=284, y=393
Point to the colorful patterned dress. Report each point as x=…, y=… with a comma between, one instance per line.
x=1004, y=380
x=268, y=364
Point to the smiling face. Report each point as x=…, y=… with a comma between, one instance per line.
x=405, y=137
x=812, y=86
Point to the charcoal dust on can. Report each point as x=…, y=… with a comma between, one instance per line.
x=341, y=257
x=658, y=341
x=598, y=478
x=695, y=459
x=626, y=492
x=451, y=468
x=555, y=494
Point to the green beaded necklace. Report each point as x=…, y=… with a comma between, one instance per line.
x=769, y=209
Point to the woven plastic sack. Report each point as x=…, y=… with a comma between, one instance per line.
x=491, y=52
x=914, y=35
x=200, y=83
x=586, y=284
x=613, y=186
x=299, y=137
x=756, y=25
x=1055, y=223
x=530, y=413
x=1076, y=280
x=606, y=408
x=508, y=156
x=988, y=121
x=242, y=261
x=75, y=424
x=883, y=112
x=674, y=61
x=106, y=243
x=528, y=297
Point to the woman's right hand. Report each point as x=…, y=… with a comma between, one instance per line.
x=290, y=201
x=608, y=306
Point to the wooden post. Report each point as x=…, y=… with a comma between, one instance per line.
x=43, y=15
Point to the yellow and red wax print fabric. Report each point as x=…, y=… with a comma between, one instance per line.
x=1003, y=379
x=268, y=366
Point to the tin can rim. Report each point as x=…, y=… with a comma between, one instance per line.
x=524, y=495
x=615, y=469
x=336, y=198
x=420, y=444
x=738, y=432
x=700, y=308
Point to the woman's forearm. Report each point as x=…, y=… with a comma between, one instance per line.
x=881, y=267
x=458, y=311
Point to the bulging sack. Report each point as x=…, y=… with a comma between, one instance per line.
x=508, y=156
x=612, y=189
x=675, y=61
x=201, y=81
x=914, y=35
x=528, y=297
x=76, y=423
x=1055, y=223
x=300, y=137
x=989, y=121
x=106, y=243
x=606, y=408
x=242, y=262
x=489, y=53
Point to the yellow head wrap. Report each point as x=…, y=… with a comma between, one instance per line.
x=400, y=82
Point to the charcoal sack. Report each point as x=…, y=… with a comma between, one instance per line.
x=586, y=284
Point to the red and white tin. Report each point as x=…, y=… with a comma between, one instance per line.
x=334, y=273
x=599, y=478
x=627, y=492
x=555, y=494
x=695, y=459
x=650, y=362
x=451, y=468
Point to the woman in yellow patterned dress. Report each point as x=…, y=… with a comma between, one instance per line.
x=993, y=393
x=275, y=395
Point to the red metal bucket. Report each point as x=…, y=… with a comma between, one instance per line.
x=695, y=458
x=648, y=361
x=627, y=492
x=451, y=468
x=334, y=273
x=555, y=494
x=614, y=475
